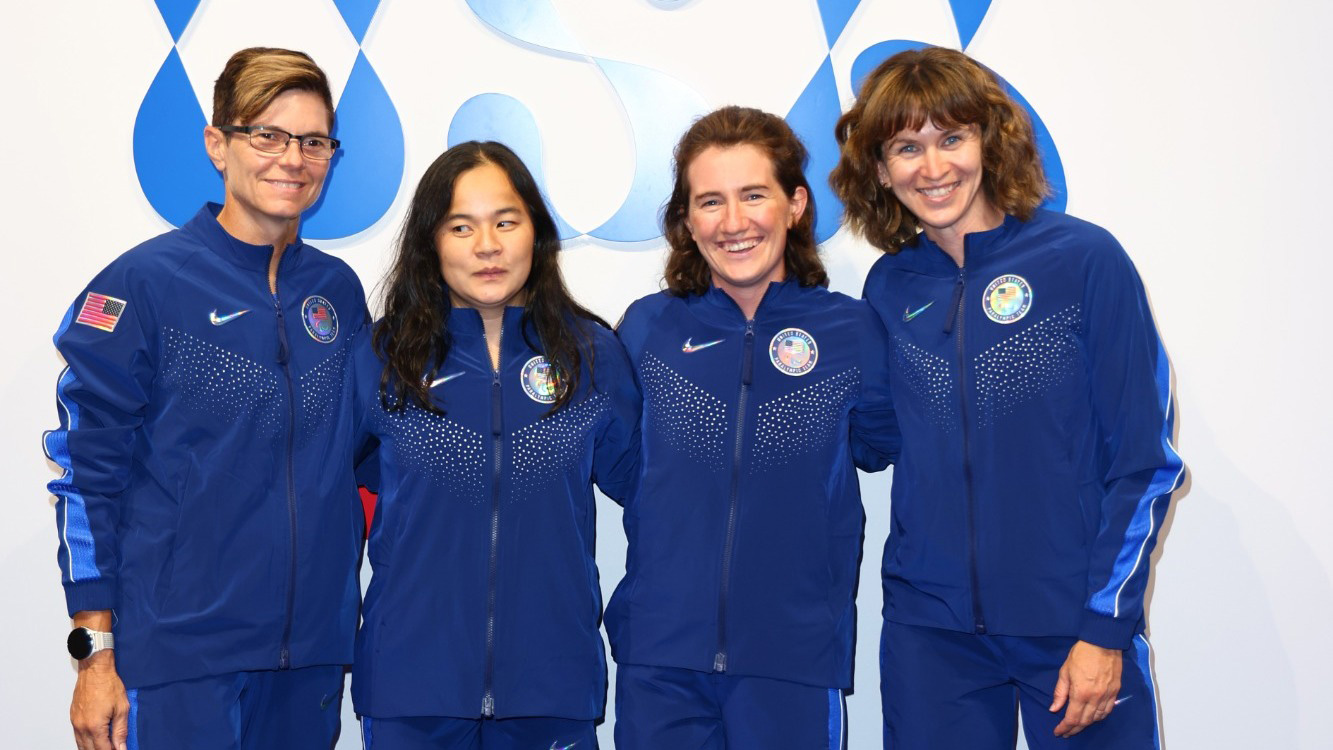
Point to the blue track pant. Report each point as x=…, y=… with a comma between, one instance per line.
x=290, y=709
x=661, y=708
x=946, y=690
x=446, y=733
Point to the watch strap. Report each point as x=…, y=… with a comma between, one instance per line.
x=102, y=640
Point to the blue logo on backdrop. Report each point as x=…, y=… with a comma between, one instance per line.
x=176, y=176
x=658, y=107
x=816, y=112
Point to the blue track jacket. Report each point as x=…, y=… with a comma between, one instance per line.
x=203, y=499
x=1035, y=404
x=485, y=598
x=745, y=535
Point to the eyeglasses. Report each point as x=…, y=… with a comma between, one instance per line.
x=273, y=140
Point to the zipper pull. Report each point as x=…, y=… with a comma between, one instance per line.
x=283, y=352
x=497, y=407
x=747, y=365
x=956, y=304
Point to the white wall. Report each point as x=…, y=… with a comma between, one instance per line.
x=1195, y=131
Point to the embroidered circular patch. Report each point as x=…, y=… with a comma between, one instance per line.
x=793, y=351
x=321, y=320
x=1007, y=299
x=539, y=380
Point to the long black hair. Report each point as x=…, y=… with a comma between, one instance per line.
x=413, y=338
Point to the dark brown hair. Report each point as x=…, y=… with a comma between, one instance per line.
x=951, y=90
x=254, y=77
x=413, y=336
x=686, y=270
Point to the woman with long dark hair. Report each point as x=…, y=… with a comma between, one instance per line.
x=1035, y=404
x=496, y=401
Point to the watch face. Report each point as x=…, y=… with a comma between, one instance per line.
x=80, y=643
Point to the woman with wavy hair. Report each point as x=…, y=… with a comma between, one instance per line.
x=1034, y=400
x=734, y=624
x=496, y=402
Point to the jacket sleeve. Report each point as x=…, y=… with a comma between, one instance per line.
x=101, y=400
x=1130, y=382
x=875, y=438
x=615, y=466
x=364, y=383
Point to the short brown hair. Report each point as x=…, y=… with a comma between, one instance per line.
x=951, y=90
x=686, y=270
x=254, y=77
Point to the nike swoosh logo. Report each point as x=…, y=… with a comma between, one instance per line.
x=445, y=379
x=564, y=747
x=689, y=348
x=1118, y=701
x=907, y=316
x=218, y=320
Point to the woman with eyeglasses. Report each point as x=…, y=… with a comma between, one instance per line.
x=1035, y=403
x=497, y=402
x=208, y=544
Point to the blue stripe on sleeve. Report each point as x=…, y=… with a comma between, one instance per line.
x=76, y=534
x=1150, y=511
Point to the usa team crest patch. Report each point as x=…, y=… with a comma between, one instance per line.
x=101, y=312
x=1007, y=299
x=321, y=320
x=793, y=351
x=539, y=380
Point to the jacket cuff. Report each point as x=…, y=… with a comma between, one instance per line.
x=87, y=596
x=1107, y=632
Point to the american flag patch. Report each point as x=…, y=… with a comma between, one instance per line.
x=101, y=311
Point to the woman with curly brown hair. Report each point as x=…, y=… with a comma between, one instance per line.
x=734, y=624
x=1034, y=401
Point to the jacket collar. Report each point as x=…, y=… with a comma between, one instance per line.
x=466, y=321
x=777, y=294
x=253, y=257
x=977, y=246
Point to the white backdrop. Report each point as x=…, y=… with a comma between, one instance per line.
x=1195, y=131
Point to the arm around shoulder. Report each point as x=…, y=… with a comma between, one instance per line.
x=876, y=440
x=617, y=452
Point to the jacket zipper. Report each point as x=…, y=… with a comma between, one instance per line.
x=747, y=373
x=978, y=621
x=497, y=435
x=284, y=359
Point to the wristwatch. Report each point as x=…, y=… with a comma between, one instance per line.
x=84, y=642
